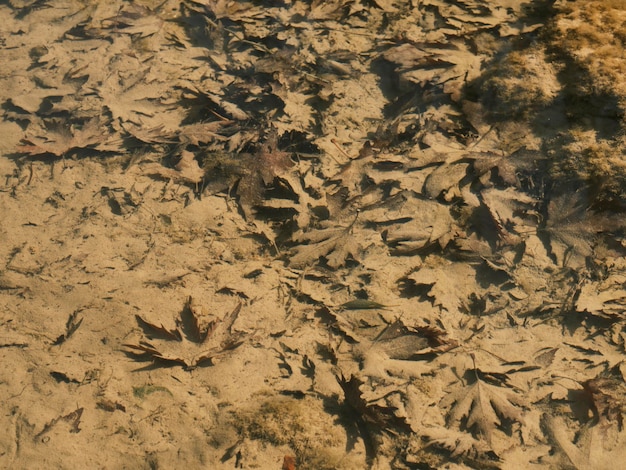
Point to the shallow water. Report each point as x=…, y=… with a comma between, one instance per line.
x=338, y=234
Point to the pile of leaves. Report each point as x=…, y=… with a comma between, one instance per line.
x=399, y=158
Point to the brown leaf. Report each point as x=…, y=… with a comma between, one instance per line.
x=606, y=397
x=573, y=228
x=370, y=419
x=73, y=419
x=194, y=345
x=259, y=171
x=402, y=342
x=60, y=137
x=289, y=463
x=481, y=407
x=333, y=243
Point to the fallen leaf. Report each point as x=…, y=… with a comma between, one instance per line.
x=333, y=243
x=194, y=346
x=61, y=137
x=482, y=408
x=573, y=228
x=186, y=170
x=370, y=419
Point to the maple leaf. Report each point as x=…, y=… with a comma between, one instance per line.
x=437, y=275
x=460, y=444
x=506, y=167
x=194, y=345
x=500, y=216
x=353, y=175
x=573, y=228
x=299, y=114
x=203, y=132
x=449, y=63
x=481, y=407
x=61, y=137
x=605, y=298
x=594, y=447
x=138, y=100
x=370, y=419
x=413, y=223
x=133, y=19
x=333, y=242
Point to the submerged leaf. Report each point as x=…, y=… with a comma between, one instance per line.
x=574, y=227
x=196, y=346
x=482, y=408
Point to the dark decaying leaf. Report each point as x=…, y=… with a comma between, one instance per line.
x=605, y=397
x=402, y=342
x=73, y=419
x=71, y=326
x=259, y=171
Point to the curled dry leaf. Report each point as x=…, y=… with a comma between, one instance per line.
x=72, y=419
